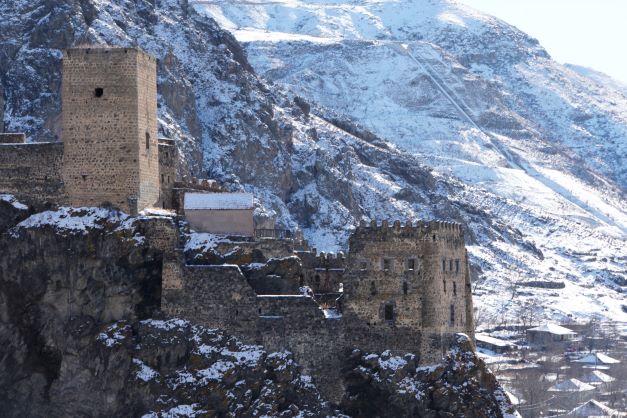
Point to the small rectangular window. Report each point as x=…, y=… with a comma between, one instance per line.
x=454, y=289
x=389, y=312
x=444, y=284
x=452, y=317
x=386, y=264
x=411, y=264
x=450, y=265
x=456, y=266
x=443, y=265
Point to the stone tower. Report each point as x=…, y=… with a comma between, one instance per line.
x=111, y=151
x=407, y=287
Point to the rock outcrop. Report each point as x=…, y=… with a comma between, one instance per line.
x=460, y=386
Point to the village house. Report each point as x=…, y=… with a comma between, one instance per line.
x=550, y=337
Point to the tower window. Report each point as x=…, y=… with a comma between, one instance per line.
x=388, y=312
x=405, y=288
x=450, y=265
x=98, y=91
x=373, y=289
x=147, y=140
x=454, y=289
x=456, y=266
x=162, y=178
x=443, y=265
x=444, y=284
x=411, y=264
x=386, y=264
x=452, y=317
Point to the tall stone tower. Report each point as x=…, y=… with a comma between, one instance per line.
x=407, y=288
x=111, y=151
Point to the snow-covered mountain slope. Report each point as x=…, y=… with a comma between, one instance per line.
x=531, y=213
x=541, y=147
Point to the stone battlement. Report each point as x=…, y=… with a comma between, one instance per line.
x=421, y=230
x=83, y=52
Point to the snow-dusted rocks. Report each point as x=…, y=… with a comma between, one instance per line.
x=393, y=386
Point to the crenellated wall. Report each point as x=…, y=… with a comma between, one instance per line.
x=322, y=272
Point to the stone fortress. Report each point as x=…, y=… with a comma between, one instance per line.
x=400, y=287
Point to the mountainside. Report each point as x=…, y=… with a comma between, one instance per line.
x=450, y=136
x=467, y=95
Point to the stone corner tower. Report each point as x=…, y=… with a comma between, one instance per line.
x=111, y=151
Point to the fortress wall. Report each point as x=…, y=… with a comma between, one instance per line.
x=167, y=171
x=32, y=172
x=162, y=233
x=322, y=272
x=297, y=324
x=215, y=296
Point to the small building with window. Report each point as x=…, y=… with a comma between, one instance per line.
x=220, y=213
x=549, y=336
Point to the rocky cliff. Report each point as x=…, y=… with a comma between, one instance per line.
x=82, y=335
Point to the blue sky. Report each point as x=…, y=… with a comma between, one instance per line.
x=592, y=33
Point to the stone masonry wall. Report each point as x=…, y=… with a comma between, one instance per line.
x=149, y=179
x=109, y=128
x=322, y=272
x=215, y=296
x=12, y=138
x=167, y=171
x=32, y=172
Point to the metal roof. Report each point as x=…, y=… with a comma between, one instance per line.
x=218, y=201
x=553, y=329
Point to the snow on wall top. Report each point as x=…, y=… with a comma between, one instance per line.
x=553, y=329
x=218, y=201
